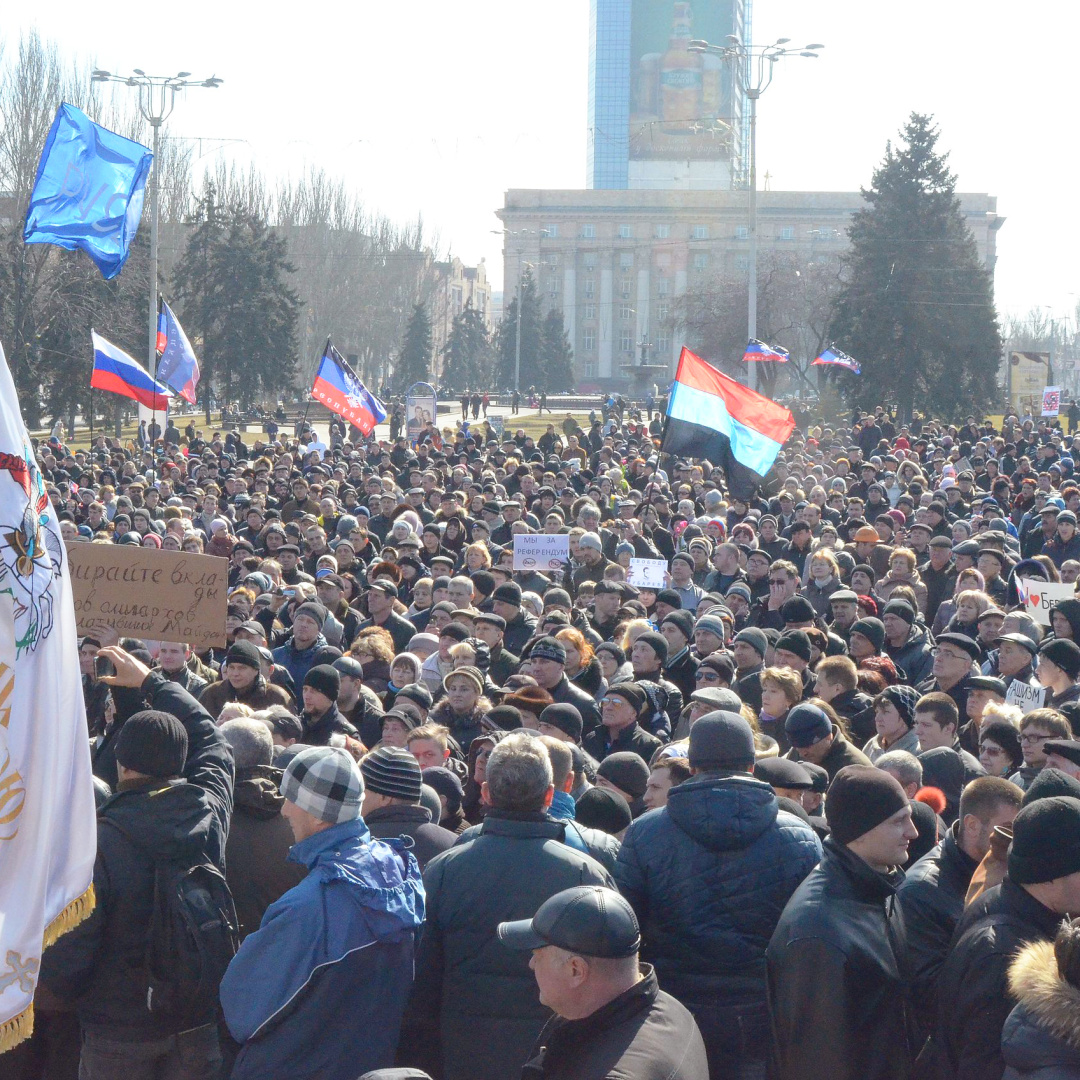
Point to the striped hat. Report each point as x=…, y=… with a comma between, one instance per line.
x=325, y=781
x=392, y=771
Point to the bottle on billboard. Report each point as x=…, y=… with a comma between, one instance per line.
x=680, y=70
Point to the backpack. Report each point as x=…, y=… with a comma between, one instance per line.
x=192, y=936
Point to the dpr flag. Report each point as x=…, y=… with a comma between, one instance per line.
x=758, y=350
x=178, y=367
x=89, y=190
x=833, y=355
x=339, y=388
x=712, y=416
x=48, y=829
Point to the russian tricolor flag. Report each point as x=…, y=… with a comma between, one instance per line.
x=758, y=350
x=833, y=355
x=710, y=415
x=339, y=388
x=118, y=373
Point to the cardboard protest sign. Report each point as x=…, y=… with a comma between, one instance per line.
x=1027, y=698
x=147, y=593
x=541, y=551
x=1038, y=597
x=646, y=573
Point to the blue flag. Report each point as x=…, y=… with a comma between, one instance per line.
x=89, y=190
x=178, y=366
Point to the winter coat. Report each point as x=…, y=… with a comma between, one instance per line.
x=682, y=671
x=590, y=678
x=973, y=997
x=1060, y=551
x=399, y=819
x=463, y=728
x=259, y=695
x=566, y=693
x=708, y=876
x=841, y=753
x=818, y=595
x=836, y=991
x=334, y=954
x=318, y=732
x=257, y=866
x=932, y=897
x=644, y=1034
x=886, y=585
x=474, y=1012
x=909, y=741
x=519, y=630
x=100, y=963
x=634, y=738
x=914, y=657
x=297, y=662
x=1041, y=1040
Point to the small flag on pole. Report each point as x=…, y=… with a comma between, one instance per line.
x=178, y=367
x=833, y=355
x=712, y=416
x=118, y=373
x=339, y=388
x=758, y=350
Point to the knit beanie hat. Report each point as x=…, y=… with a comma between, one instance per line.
x=627, y=771
x=325, y=679
x=904, y=698
x=509, y=593
x=504, y=717
x=860, y=798
x=326, y=782
x=152, y=742
x=797, y=609
x=721, y=740
x=656, y=642
x=795, y=641
x=1065, y=654
x=1048, y=783
x=711, y=624
x=417, y=692
x=548, y=648
x=1046, y=841
x=872, y=629
x=868, y=570
x=630, y=692
x=603, y=809
x=447, y=785
x=683, y=621
x=565, y=717
x=243, y=652
x=313, y=611
x=902, y=609
x=392, y=771
x=755, y=638
x=474, y=675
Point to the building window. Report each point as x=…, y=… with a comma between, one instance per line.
x=742, y=263
x=588, y=232
x=626, y=261
x=700, y=232
x=662, y=310
x=588, y=339
x=588, y=259
x=742, y=232
x=589, y=311
x=701, y=260
x=626, y=232
x=626, y=311
x=550, y=231
x=590, y=287
x=626, y=342
x=663, y=232
x=663, y=286
x=624, y=288
x=663, y=342
x=590, y=370
x=663, y=259
x=787, y=232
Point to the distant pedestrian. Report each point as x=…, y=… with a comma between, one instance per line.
x=475, y=401
x=485, y=401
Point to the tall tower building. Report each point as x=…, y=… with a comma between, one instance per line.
x=662, y=117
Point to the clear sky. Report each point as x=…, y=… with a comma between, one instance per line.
x=436, y=109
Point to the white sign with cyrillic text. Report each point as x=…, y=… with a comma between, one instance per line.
x=646, y=573
x=541, y=551
x=1024, y=696
x=1038, y=597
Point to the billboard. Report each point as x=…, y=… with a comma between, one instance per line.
x=681, y=103
x=1029, y=372
x=421, y=409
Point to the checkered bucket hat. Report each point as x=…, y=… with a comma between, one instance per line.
x=326, y=782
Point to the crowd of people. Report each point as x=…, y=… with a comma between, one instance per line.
x=810, y=810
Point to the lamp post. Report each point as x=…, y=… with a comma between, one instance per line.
x=521, y=266
x=753, y=66
x=157, y=98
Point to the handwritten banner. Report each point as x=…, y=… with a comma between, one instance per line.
x=1038, y=597
x=1026, y=697
x=147, y=593
x=541, y=551
x=646, y=573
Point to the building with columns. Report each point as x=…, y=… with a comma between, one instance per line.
x=615, y=261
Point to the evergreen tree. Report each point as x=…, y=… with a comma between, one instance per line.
x=917, y=308
x=414, y=360
x=467, y=353
x=557, y=354
x=531, y=337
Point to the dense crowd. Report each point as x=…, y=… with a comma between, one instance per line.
x=810, y=810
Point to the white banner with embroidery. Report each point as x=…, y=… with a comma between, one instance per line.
x=48, y=829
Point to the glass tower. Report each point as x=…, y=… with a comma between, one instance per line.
x=609, y=93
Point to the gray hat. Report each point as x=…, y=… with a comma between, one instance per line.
x=326, y=782
x=587, y=920
x=591, y=540
x=722, y=740
x=393, y=771
x=718, y=698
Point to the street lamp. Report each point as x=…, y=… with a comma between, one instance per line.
x=754, y=66
x=157, y=98
x=521, y=266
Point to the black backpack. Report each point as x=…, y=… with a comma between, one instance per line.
x=192, y=936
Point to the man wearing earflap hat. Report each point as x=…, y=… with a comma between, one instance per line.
x=843, y=930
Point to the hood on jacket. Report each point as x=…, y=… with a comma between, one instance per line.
x=1044, y=1029
x=256, y=791
x=1071, y=610
x=168, y=821
x=723, y=814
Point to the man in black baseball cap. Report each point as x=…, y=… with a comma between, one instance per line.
x=612, y=1018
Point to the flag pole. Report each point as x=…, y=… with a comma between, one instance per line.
x=153, y=373
x=303, y=419
x=91, y=416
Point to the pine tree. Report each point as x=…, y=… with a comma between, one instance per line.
x=557, y=354
x=917, y=308
x=531, y=343
x=414, y=360
x=467, y=352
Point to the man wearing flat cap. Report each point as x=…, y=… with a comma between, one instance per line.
x=843, y=930
x=611, y=1017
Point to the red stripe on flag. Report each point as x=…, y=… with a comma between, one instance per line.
x=743, y=404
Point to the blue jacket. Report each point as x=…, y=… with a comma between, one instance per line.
x=297, y=662
x=320, y=988
x=708, y=876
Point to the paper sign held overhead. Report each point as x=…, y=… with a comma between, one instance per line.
x=646, y=573
x=1051, y=401
x=1038, y=597
x=541, y=551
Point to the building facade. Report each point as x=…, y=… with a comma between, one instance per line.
x=455, y=286
x=617, y=262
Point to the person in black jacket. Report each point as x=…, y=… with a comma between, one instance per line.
x=611, y=1017
x=933, y=892
x=321, y=717
x=1042, y=886
x=620, y=709
x=174, y=799
x=681, y=666
x=843, y=930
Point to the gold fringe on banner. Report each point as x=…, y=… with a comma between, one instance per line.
x=18, y=1028
x=70, y=917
